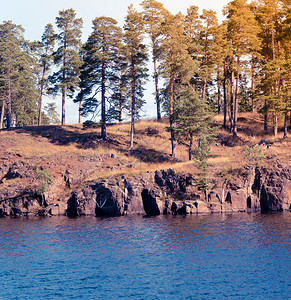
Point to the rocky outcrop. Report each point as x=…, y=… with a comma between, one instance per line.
x=161, y=192
x=276, y=191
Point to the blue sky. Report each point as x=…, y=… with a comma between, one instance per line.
x=33, y=15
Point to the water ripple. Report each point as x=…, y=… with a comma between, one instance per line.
x=237, y=256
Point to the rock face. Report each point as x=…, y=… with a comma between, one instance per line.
x=162, y=192
x=276, y=191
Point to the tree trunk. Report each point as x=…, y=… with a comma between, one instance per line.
x=236, y=99
x=275, y=125
x=80, y=112
x=120, y=112
x=63, y=83
x=40, y=104
x=41, y=90
x=218, y=93
x=40, y=98
x=63, y=104
x=103, y=104
x=253, y=87
x=266, y=118
x=159, y=117
x=285, y=126
x=224, y=97
x=120, y=104
x=8, y=107
x=231, y=117
x=133, y=99
x=173, y=142
x=204, y=88
x=190, y=148
x=2, y=115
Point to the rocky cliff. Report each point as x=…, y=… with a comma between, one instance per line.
x=159, y=192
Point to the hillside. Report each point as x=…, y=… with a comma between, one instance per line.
x=74, y=158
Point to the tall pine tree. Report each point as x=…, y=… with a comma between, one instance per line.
x=46, y=59
x=136, y=57
x=154, y=15
x=243, y=31
x=100, y=56
x=177, y=65
x=67, y=56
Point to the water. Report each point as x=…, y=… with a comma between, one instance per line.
x=234, y=256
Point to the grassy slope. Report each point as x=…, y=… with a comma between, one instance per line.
x=85, y=157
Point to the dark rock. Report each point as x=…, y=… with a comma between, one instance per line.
x=72, y=210
x=149, y=202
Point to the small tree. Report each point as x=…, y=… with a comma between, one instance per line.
x=192, y=119
x=51, y=115
x=190, y=112
x=43, y=177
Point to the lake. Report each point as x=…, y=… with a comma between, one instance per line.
x=214, y=256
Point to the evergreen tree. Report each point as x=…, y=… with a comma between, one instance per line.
x=67, y=56
x=135, y=56
x=17, y=80
x=220, y=58
x=243, y=31
x=46, y=49
x=177, y=65
x=207, y=40
x=154, y=15
x=50, y=114
x=118, y=99
x=11, y=40
x=100, y=56
x=192, y=117
x=275, y=79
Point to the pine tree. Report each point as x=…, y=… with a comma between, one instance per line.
x=67, y=56
x=177, y=64
x=17, y=80
x=118, y=98
x=100, y=56
x=11, y=39
x=154, y=15
x=50, y=114
x=207, y=40
x=222, y=52
x=192, y=116
x=243, y=31
x=46, y=49
x=192, y=30
x=135, y=56
x=275, y=80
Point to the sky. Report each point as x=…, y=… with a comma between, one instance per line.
x=34, y=15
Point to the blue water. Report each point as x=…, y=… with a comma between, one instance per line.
x=234, y=256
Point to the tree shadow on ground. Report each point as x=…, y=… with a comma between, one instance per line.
x=64, y=136
x=150, y=155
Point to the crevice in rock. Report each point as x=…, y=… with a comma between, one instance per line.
x=249, y=202
x=149, y=203
x=228, y=198
x=105, y=205
x=72, y=208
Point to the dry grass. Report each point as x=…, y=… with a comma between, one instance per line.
x=69, y=146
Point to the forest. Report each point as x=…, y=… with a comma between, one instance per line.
x=200, y=68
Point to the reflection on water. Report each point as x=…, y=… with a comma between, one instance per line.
x=240, y=256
